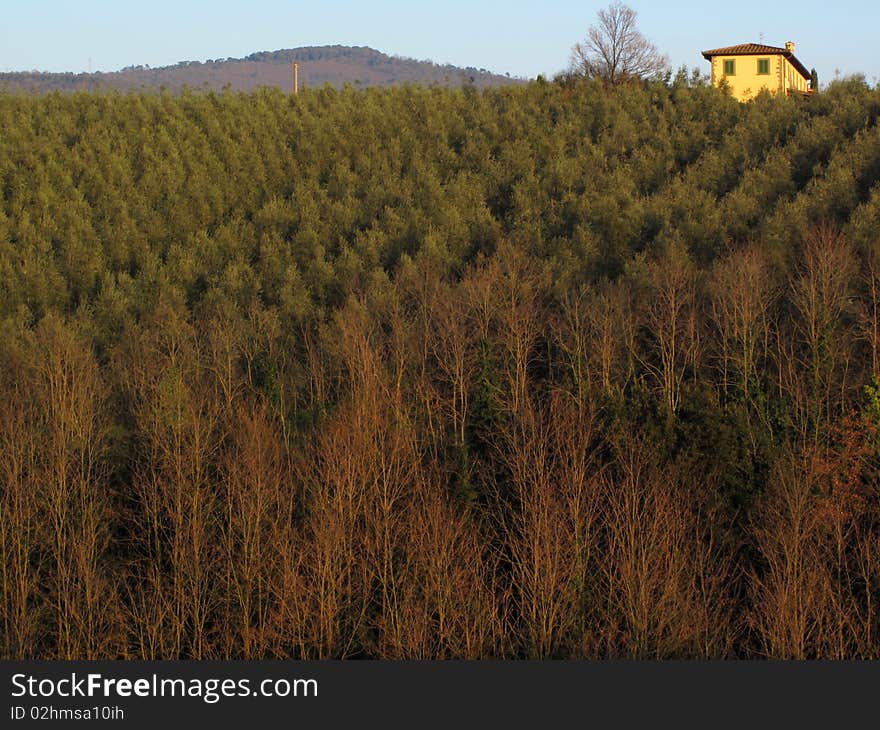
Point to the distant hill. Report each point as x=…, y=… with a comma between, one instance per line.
x=336, y=65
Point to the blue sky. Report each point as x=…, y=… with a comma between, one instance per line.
x=521, y=37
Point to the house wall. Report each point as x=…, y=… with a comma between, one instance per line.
x=795, y=81
x=746, y=83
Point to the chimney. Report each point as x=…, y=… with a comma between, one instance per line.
x=789, y=46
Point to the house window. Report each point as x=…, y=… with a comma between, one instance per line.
x=729, y=67
x=763, y=66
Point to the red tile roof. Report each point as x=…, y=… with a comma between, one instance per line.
x=758, y=49
x=744, y=49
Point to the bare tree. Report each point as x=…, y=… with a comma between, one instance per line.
x=822, y=297
x=615, y=50
x=742, y=293
x=670, y=319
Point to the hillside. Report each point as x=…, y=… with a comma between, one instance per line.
x=334, y=65
x=550, y=370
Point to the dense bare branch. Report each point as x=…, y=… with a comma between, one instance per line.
x=615, y=50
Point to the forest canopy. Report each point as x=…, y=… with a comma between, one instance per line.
x=555, y=370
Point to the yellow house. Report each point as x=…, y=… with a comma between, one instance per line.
x=751, y=67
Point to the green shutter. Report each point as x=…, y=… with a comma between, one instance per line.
x=729, y=67
x=763, y=66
